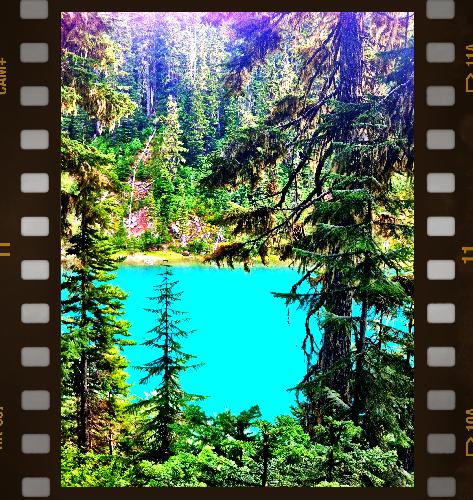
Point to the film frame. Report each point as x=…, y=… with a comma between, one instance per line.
x=30, y=253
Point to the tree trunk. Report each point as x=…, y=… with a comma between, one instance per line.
x=167, y=421
x=334, y=355
x=358, y=396
x=147, y=85
x=83, y=431
x=110, y=441
x=83, y=424
x=351, y=57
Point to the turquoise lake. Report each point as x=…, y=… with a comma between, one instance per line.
x=251, y=347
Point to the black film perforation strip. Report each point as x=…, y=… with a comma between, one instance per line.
x=34, y=184
x=440, y=440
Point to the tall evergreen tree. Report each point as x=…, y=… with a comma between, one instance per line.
x=168, y=161
x=92, y=308
x=94, y=331
x=333, y=207
x=171, y=148
x=88, y=66
x=164, y=409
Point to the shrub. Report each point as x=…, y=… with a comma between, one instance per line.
x=199, y=245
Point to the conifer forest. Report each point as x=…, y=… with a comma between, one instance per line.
x=238, y=141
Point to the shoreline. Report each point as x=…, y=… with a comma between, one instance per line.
x=160, y=257
x=157, y=258
x=149, y=259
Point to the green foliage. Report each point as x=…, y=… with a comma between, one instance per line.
x=147, y=241
x=94, y=470
x=93, y=331
x=337, y=457
x=163, y=409
x=168, y=171
x=87, y=68
x=199, y=245
x=286, y=134
x=205, y=469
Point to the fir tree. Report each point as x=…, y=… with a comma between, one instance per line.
x=88, y=65
x=93, y=329
x=167, y=163
x=164, y=409
x=333, y=207
x=171, y=148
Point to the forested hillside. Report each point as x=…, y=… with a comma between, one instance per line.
x=239, y=139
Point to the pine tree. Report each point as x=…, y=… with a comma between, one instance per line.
x=171, y=148
x=93, y=330
x=88, y=66
x=334, y=204
x=164, y=409
x=166, y=165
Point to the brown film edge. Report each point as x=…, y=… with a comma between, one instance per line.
x=436, y=475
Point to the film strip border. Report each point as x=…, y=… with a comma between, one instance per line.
x=34, y=314
x=34, y=184
x=31, y=272
x=442, y=442
x=445, y=187
x=32, y=151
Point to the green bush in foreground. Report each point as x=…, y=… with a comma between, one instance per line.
x=337, y=456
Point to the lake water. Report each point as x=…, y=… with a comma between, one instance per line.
x=250, y=346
